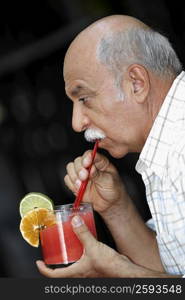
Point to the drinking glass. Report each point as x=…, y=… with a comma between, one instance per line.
x=60, y=245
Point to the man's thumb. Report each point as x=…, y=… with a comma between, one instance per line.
x=82, y=231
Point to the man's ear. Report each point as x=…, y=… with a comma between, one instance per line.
x=138, y=78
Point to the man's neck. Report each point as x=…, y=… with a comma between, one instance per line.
x=159, y=90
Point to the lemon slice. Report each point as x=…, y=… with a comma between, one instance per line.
x=34, y=200
x=33, y=222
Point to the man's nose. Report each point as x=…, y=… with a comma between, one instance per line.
x=79, y=120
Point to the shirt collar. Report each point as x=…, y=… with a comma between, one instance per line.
x=156, y=148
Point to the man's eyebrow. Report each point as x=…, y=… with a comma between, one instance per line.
x=75, y=92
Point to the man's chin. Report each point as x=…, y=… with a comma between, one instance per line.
x=116, y=153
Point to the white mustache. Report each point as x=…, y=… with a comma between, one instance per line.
x=93, y=134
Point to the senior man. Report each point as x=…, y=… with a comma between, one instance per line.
x=127, y=86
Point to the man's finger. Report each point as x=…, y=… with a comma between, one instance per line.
x=58, y=272
x=100, y=161
x=83, y=232
x=44, y=270
x=73, y=187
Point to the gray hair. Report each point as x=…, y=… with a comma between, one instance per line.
x=143, y=46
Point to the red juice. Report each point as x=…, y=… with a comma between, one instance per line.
x=60, y=245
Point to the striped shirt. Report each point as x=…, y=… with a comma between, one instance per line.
x=162, y=167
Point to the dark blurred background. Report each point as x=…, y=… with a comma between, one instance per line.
x=36, y=138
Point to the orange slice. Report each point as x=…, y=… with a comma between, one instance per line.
x=33, y=222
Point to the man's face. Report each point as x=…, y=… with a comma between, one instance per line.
x=97, y=105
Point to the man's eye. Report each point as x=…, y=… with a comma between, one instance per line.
x=83, y=99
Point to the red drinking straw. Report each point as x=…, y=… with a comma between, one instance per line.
x=85, y=182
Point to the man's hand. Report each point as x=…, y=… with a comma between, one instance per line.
x=98, y=260
x=105, y=188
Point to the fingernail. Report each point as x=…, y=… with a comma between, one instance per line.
x=78, y=183
x=86, y=161
x=77, y=221
x=82, y=174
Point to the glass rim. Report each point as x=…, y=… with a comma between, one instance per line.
x=69, y=206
